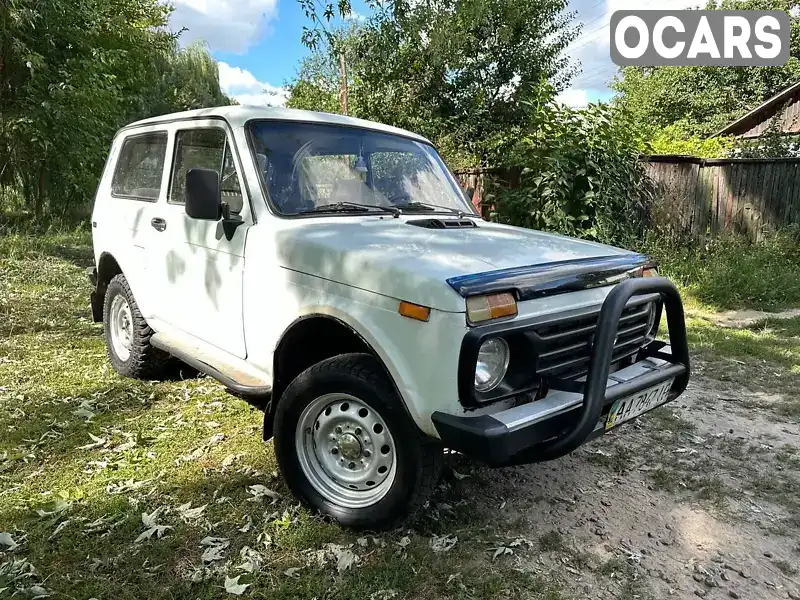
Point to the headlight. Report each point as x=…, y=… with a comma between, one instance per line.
x=493, y=358
x=652, y=326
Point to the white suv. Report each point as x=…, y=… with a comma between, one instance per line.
x=331, y=271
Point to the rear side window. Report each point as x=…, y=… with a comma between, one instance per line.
x=205, y=149
x=140, y=167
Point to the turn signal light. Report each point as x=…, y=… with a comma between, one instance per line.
x=495, y=306
x=414, y=311
x=650, y=272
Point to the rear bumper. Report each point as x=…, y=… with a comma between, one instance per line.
x=574, y=412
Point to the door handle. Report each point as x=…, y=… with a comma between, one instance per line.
x=158, y=224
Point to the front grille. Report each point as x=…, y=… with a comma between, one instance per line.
x=563, y=347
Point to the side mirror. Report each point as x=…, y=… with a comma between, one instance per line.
x=469, y=193
x=203, y=200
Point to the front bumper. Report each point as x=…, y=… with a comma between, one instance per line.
x=574, y=411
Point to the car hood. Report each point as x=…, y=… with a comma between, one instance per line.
x=396, y=258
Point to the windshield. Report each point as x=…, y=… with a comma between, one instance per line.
x=317, y=168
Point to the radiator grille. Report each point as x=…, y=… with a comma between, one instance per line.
x=563, y=348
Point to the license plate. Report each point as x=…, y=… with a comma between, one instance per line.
x=631, y=407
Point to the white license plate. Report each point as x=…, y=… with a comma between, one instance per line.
x=631, y=407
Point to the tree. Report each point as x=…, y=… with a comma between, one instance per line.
x=458, y=71
x=70, y=75
x=317, y=84
x=701, y=100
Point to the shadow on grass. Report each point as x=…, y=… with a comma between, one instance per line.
x=292, y=547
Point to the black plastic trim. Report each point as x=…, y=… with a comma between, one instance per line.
x=522, y=354
x=247, y=391
x=550, y=279
x=487, y=439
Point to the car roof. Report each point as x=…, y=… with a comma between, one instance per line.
x=237, y=116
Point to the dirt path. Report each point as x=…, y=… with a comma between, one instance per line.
x=696, y=500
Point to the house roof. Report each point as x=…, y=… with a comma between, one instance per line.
x=760, y=113
x=237, y=116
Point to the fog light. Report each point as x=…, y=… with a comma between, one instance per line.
x=492, y=365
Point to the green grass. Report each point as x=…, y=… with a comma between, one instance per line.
x=166, y=444
x=732, y=273
x=185, y=441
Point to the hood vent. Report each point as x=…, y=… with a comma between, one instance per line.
x=444, y=224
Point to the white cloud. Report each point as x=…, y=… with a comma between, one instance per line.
x=592, y=47
x=227, y=25
x=354, y=16
x=242, y=85
x=573, y=97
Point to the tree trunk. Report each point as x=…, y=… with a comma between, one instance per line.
x=39, y=204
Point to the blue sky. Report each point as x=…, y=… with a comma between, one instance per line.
x=257, y=43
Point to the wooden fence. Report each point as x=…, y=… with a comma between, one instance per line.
x=698, y=197
x=751, y=196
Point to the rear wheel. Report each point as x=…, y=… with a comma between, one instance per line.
x=128, y=335
x=347, y=447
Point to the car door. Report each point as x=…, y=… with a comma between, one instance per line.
x=132, y=186
x=201, y=263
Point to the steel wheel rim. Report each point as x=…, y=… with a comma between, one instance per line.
x=120, y=325
x=346, y=451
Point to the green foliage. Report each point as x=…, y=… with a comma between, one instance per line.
x=580, y=175
x=63, y=94
x=732, y=272
x=702, y=100
x=317, y=85
x=461, y=72
x=674, y=140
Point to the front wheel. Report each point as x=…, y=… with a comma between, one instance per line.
x=347, y=447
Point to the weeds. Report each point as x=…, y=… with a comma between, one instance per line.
x=731, y=273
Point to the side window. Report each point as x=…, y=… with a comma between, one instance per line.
x=205, y=149
x=140, y=167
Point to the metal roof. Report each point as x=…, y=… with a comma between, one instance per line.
x=237, y=116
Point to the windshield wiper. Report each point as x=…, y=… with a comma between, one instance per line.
x=433, y=208
x=353, y=207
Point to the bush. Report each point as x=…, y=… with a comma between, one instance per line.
x=674, y=139
x=732, y=272
x=579, y=174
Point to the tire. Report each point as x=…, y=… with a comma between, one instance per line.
x=128, y=343
x=347, y=403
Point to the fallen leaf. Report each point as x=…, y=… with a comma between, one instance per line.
x=215, y=541
x=260, y=492
x=443, y=543
x=150, y=520
x=157, y=530
x=60, y=528
x=213, y=553
x=460, y=476
x=248, y=523
x=95, y=443
x=216, y=439
x=190, y=514
x=232, y=586
x=345, y=559
x=7, y=541
x=501, y=551
x=251, y=560
x=292, y=572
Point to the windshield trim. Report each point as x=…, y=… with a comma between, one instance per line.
x=248, y=128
